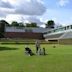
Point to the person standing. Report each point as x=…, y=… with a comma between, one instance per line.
x=37, y=44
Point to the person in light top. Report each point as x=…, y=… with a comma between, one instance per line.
x=37, y=44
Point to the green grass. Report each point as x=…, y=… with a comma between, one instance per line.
x=13, y=59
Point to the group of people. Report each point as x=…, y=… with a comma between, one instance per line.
x=39, y=50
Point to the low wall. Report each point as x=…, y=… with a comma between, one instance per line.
x=28, y=35
x=65, y=41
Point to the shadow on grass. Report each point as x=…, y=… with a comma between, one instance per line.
x=7, y=48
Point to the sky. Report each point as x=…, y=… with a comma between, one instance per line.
x=39, y=11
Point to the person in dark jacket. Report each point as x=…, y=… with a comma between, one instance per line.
x=28, y=51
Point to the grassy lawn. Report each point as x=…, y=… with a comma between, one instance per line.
x=13, y=59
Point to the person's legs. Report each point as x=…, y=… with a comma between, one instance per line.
x=44, y=51
x=36, y=49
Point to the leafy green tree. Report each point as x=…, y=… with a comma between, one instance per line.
x=31, y=24
x=50, y=24
x=15, y=24
x=3, y=23
x=34, y=24
x=28, y=25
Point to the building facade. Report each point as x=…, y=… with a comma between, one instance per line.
x=23, y=32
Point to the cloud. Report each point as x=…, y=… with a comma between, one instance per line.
x=21, y=18
x=2, y=14
x=2, y=18
x=43, y=25
x=33, y=19
x=11, y=17
x=7, y=10
x=22, y=10
x=30, y=7
x=26, y=7
x=63, y=2
x=5, y=4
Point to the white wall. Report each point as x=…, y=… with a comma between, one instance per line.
x=22, y=29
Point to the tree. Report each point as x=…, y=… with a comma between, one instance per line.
x=3, y=23
x=28, y=25
x=14, y=23
x=50, y=24
x=34, y=24
x=31, y=24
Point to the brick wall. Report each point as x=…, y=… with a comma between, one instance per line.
x=29, y=35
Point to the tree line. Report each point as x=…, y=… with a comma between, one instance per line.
x=49, y=24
